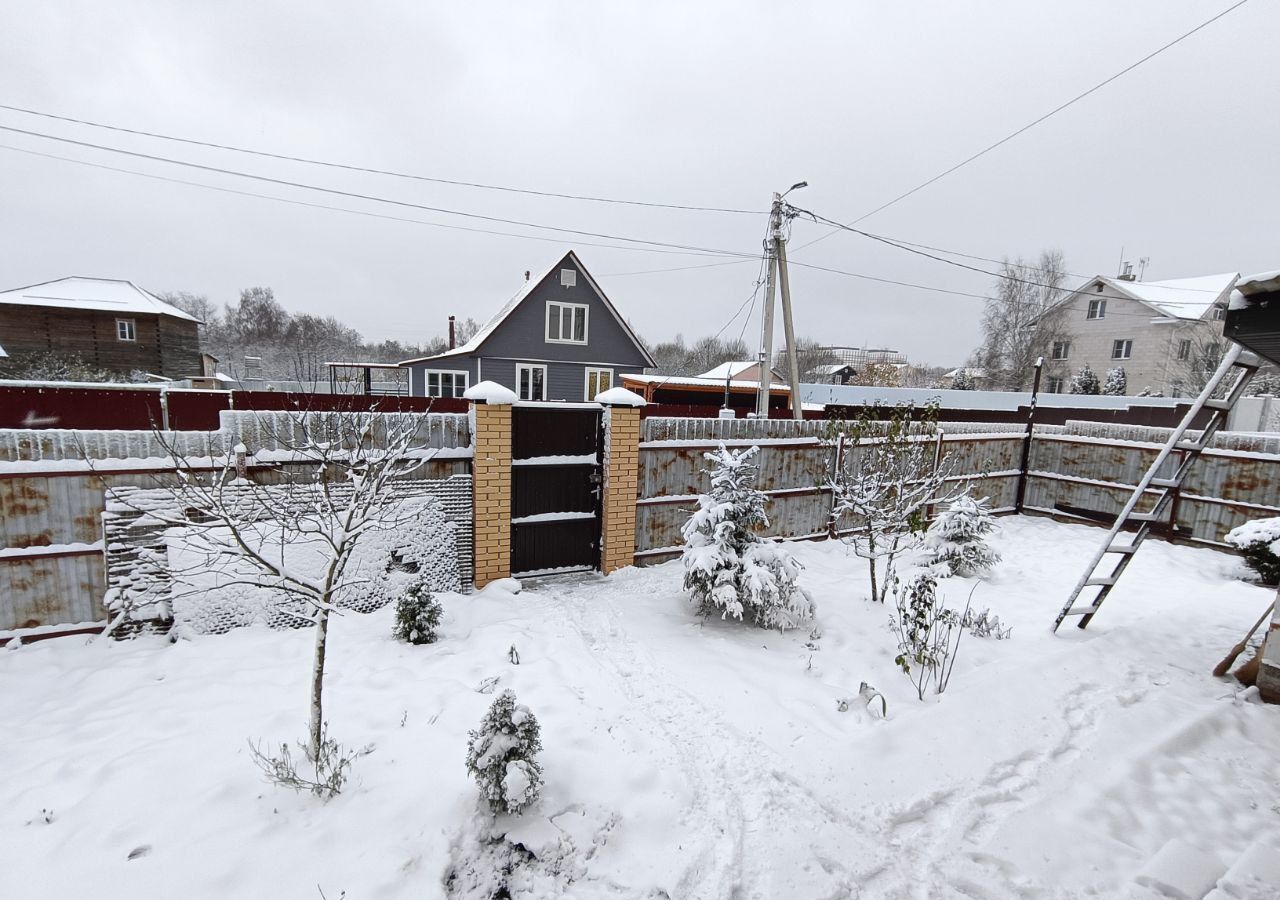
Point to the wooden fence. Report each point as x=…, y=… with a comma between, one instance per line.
x=1083, y=471
x=53, y=493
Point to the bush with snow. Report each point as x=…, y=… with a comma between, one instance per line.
x=728, y=566
x=501, y=756
x=957, y=537
x=417, y=615
x=928, y=633
x=1085, y=381
x=1259, y=543
x=1116, y=383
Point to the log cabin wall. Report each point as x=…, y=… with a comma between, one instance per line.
x=163, y=345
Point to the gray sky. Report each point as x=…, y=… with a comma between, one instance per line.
x=715, y=104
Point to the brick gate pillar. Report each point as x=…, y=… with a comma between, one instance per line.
x=621, y=476
x=491, y=490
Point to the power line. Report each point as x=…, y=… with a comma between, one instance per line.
x=368, y=197
x=342, y=209
x=369, y=169
x=1025, y=128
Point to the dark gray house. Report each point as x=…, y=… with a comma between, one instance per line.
x=558, y=338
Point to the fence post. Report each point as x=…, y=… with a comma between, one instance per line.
x=491, y=491
x=621, y=477
x=1021, y=494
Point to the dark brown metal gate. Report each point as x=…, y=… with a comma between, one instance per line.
x=556, y=489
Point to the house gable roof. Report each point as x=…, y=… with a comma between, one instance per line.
x=97, y=294
x=473, y=346
x=1179, y=298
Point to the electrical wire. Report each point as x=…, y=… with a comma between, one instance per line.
x=1032, y=124
x=367, y=197
x=342, y=209
x=369, y=169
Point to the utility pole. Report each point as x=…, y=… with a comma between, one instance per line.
x=776, y=253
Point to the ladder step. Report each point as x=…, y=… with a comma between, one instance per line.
x=1145, y=517
x=1165, y=483
x=1100, y=582
x=1123, y=548
x=1193, y=446
x=1080, y=611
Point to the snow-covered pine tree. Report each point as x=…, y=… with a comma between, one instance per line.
x=1085, y=381
x=962, y=381
x=417, y=614
x=728, y=566
x=502, y=756
x=957, y=537
x=1116, y=384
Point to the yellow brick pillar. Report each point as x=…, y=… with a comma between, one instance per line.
x=621, y=475
x=491, y=491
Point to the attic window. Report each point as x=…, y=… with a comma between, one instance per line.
x=568, y=277
x=1097, y=288
x=566, y=323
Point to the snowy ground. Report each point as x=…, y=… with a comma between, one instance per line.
x=683, y=758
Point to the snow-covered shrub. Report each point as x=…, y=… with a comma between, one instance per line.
x=957, y=537
x=501, y=756
x=1117, y=383
x=928, y=633
x=1259, y=543
x=417, y=615
x=728, y=566
x=985, y=625
x=330, y=765
x=1085, y=381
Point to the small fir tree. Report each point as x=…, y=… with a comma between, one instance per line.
x=501, y=756
x=728, y=566
x=957, y=537
x=962, y=381
x=1085, y=381
x=1116, y=385
x=417, y=615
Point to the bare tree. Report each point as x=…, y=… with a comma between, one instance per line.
x=1200, y=351
x=1022, y=320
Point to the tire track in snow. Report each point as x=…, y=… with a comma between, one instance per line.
x=746, y=807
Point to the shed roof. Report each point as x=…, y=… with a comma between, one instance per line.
x=98, y=294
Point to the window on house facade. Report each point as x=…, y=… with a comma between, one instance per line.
x=531, y=381
x=1097, y=309
x=566, y=323
x=1097, y=288
x=1184, y=349
x=1054, y=385
x=1121, y=349
x=446, y=384
x=126, y=330
x=598, y=381
x=1219, y=313
x=1061, y=350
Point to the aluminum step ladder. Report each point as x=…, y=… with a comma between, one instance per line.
x=1237, y=361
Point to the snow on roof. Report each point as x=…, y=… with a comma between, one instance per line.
x=1261, y=283
x=696, y=381
x=971, y=371
x=729, y=369
x=1181, y=298
x=491, y=326
x=831, y=369
x=2, y=353
x=103, y=294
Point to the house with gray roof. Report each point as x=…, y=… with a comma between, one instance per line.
x=557, y=338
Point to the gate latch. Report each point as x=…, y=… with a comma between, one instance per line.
x=595, y=478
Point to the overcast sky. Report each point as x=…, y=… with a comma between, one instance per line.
x=712, y=104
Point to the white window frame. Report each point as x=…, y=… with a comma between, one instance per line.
x=586, y=380
x=1066, y=350
x=559, y=306
x=1184, y=348
x=1219, y=313
x=1124, y=346
x=426, y=382
x=129, y=331
x=531, y=367
x=1100, y=306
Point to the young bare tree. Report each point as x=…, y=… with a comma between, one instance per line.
x=295, y=534
x=1201, y=347
x=1022, y=320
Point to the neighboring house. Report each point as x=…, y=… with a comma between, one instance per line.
x=1162, y=333
x=742, y=370
x=975, y=375
x=558, y=338
x=107, y=323
x=833, y=374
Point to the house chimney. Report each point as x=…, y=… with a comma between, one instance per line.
x=1128, y=275
x=452, y=333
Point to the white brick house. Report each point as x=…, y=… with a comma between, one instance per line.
x=1154, y=330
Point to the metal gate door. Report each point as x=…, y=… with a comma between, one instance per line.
x=556, y=487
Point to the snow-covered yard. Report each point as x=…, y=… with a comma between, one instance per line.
x=682, y=758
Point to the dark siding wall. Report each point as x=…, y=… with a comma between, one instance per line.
x=418, y=373
x=523, y=334
x=565, y=381
x=164, y=345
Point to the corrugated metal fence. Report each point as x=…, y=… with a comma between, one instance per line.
x=52, y=496
x=1081, y=470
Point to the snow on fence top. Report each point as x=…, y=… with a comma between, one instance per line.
x=256, y=430
x=1108, y=432
x=661, y=428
